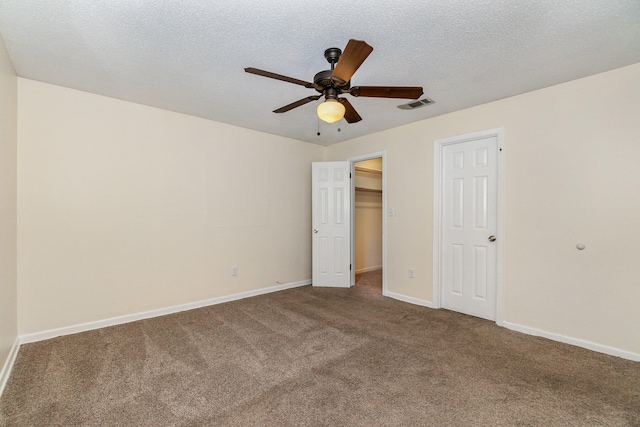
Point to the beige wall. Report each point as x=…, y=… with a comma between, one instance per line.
x=368, y=216
x=8, y=139
x=368, y=231
x=126, y=208
x=571, y=176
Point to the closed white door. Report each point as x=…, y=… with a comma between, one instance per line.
x=469, y=225
x=331, y=224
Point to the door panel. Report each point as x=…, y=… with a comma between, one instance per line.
x=331, y=223
x=469, y=217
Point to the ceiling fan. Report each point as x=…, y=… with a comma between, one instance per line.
x=337, y=80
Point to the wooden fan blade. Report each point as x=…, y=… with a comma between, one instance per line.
x=350, y=114
x=409, y=92
x=353, y=56
x=297, y=104
x=279, y=77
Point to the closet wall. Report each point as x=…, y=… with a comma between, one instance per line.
x=368, y=215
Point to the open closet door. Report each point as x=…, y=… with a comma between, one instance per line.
x=331, y=222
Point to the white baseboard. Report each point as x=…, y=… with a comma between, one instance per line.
x=368, y=269
x=52, y=333
x=68, y=330
x=410, y=300
x=8, y=364
x=612, y=351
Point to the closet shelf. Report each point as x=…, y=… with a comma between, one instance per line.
x=361, y=169
x=368, y=190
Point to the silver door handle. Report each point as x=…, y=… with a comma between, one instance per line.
x=315, y=230
x=492, y=238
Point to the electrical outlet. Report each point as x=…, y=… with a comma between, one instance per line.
x=234, y=270
x=412, y=273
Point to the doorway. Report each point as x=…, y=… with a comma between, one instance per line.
x=468, y=220
x=368, y=201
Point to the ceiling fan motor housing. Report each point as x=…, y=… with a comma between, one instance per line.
x=323, y=80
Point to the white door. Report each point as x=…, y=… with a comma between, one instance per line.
x=331, y=224
x=469, y=225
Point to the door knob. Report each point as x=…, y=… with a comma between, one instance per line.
x=315, y=230
x=492, y=238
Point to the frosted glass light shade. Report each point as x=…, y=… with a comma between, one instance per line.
x=330, y=111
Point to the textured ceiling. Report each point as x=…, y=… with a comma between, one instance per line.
x=188, y=55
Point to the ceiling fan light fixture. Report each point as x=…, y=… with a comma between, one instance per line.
x=330, y=111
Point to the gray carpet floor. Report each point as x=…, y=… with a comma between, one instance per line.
x=317, y=357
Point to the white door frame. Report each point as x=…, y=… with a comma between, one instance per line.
x=354, y=160
x=438, y=146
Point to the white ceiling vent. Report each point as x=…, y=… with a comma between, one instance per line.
x=416, y=104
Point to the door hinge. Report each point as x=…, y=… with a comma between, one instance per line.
x=349, y=267
x=349, y=175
